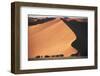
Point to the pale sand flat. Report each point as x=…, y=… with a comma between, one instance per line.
x=51, y=39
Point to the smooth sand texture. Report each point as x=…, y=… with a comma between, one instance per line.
x=50, y=38
x=42, y=26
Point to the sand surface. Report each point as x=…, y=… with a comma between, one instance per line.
x=50, y=38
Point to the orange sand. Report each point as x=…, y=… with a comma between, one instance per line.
x=50, y=38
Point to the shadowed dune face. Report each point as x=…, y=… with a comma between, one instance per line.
x=50, y=38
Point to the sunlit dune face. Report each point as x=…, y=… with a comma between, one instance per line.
x=50, y=38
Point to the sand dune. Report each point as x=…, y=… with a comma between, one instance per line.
x=50, y=38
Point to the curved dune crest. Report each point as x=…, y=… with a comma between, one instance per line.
x=50, y=38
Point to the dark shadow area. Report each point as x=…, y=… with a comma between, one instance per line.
x=81, y=31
